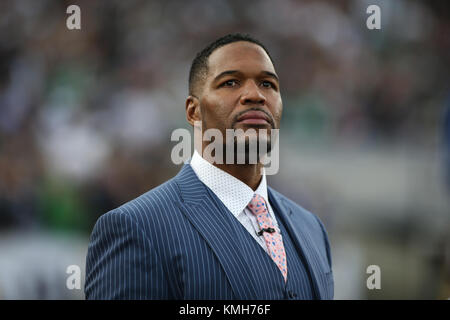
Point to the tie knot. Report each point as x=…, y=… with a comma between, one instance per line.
x=257, y=204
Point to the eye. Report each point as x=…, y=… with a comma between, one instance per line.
x=229, y=83
x=268, y=84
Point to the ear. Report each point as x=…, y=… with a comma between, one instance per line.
x=193, y=110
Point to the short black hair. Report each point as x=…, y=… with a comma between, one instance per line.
x=199, y=67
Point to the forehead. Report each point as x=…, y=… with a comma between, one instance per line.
x=242, y=55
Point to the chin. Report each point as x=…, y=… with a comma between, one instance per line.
x=249, y=149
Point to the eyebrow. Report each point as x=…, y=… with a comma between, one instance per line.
x=231, y=72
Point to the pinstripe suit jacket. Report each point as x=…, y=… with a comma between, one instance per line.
x=173, y=243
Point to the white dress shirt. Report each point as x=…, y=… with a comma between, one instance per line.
x=234, y=194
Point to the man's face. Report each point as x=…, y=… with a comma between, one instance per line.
x=241, y=78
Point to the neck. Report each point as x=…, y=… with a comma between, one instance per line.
x=250, y=174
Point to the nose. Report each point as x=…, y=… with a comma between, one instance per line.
x=251, y=94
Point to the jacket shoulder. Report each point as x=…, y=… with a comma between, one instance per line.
x=155, y=201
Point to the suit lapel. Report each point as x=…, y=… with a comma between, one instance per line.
x=301, y=239
x=204, y=210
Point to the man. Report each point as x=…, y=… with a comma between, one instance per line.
x=215, y=231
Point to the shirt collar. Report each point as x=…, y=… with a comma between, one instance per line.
x=233, y=193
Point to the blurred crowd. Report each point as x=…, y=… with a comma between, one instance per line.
x=86, y=115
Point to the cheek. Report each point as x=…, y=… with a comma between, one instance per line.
x=280, y=111
x=216, y=111
x=277, y=109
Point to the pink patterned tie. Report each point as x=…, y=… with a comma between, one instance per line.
x=273, y=240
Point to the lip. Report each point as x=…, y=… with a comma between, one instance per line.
x=254, y=117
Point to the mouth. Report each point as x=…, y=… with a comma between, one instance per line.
x=254, y=117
